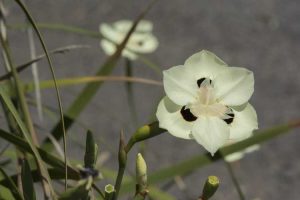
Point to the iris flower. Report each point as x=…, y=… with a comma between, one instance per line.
x=140, y=42
x=207, y=100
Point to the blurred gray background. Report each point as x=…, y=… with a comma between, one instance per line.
x=263, y=36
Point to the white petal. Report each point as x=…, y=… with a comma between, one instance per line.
x=169, y=117
x=142, y=43
x=234, y=156
x=240, y=154
x=125, y=25
x=211, y=132
x=252, y=148
x=205, y=64
x=179, y=85
x=234, y=86
x=244, y=122
x=109, y=48
x=111, y=34
x=122, y=25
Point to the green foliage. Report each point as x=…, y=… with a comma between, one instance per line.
x=13, y=188
x=91, y=151
x=27, y=181
x=41, y=165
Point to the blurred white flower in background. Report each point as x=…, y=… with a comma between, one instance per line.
x=240, y=154
x=141, y=41
x=207, y=101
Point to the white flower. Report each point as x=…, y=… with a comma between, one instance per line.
x=240, y=154
x=207, y=101
x=141, y=41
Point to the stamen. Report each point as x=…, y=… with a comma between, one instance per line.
x=187, y=115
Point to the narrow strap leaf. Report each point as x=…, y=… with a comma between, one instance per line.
x=13, y=188
x=27, y=181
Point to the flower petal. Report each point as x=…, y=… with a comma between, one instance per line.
x=109, y=48
x=234, y=156
x=211, y=132
x=142, y=43
x=169, y=117
x=110, y=33
x=179, y=86
x=125, y=25
x=205, y=64
x=234, y=86
x=243, y=124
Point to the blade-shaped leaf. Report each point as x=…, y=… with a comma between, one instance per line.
x=13, y=188
x=44, y=155
x=27, y=181
x=79, y=192
x=7, y=101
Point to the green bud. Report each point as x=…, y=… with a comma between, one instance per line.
x=141, y=174
x=143, y=133
x=91, y=151
x=210, y=187
x=109, y=192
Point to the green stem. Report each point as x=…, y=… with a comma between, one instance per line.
x=234, y=180
x=122, y=165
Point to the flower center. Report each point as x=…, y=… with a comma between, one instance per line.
x=206, y=104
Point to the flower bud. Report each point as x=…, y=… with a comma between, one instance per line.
x=210, y=187
x=109, y=192
x=141, y=173
x=143, y=133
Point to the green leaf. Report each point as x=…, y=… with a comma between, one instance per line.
x=5, y=193
x=79, y=192
x=91, y=151
x=187, y=166
x=6, y=100
x=13, y=188
x=62, y=129
x=27, y=181
x=44, y=155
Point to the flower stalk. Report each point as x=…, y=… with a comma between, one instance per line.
x=122, y=165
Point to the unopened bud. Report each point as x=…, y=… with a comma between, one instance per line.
x=210, y=187
x=141, y=174
x=109, y=191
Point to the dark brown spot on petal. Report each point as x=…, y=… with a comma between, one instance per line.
x=200, y=81
x=187, y=115
x=230, y=119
